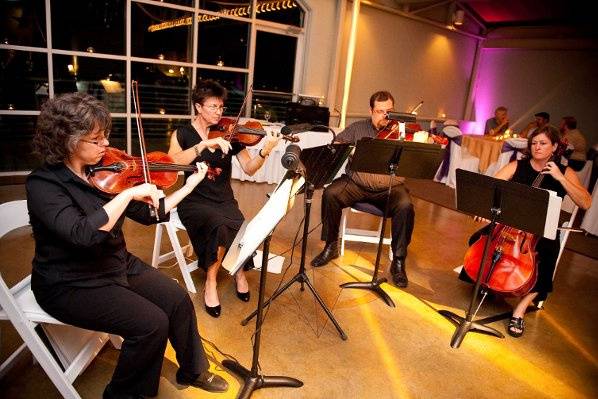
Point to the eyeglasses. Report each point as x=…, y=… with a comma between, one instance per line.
x=383, y=111
x=99, y=142
x=214, y=107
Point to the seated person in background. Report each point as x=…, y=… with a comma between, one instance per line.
x=497, y=125
x=83, y=274
x=541, y=119
x=355, y=187
x=573, y=136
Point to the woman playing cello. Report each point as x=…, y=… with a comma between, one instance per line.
x=541, y=145
x=211, y=214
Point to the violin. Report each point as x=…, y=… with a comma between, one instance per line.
x=249, y=134
x=391, y=130
x=511, y=268
x=118, y=171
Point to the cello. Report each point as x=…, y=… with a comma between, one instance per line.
x=511, y=268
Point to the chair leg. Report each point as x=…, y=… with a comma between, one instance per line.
x=178, y=252
x=342, y=232
x=157, y=245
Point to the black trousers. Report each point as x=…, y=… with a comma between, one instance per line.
x=146, y=314
x=343, y=192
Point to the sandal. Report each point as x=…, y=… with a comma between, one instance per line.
x=516, y=327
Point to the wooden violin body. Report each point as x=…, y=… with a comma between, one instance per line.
x=118, y=171
x=391, y=130
x=249, y=134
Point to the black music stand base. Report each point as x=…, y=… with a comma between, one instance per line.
x=301, y=276
x=252, y=383
x=373, y=286
x=464, y=326
x=252, y=379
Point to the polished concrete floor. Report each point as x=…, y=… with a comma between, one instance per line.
x=397, y=352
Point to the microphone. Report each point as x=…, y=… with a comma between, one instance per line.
x=418, y=106
x=297, y=128
x=291, y=158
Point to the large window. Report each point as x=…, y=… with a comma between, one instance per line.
x=49, y=47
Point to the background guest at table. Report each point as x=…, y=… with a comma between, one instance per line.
x=542, y=143
x=355, y=187
x=541, y=119
x=571, y=134
x=83, y=274
x=211, y=213
x=497, y=125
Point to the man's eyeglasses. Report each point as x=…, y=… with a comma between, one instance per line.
x=99, y=142
x=214, y=107
x=382, y=111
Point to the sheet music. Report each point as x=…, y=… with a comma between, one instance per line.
x=281, y=200
x=552, y=215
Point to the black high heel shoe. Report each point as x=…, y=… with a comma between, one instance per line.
x=213, y=311
x=244, y=296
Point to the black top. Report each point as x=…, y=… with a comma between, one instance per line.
x=525, y=174
x=368, y=181
x=65, y=214
x=218, y=190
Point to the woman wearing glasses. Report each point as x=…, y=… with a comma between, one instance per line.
x=210, y=213
x=83, y=274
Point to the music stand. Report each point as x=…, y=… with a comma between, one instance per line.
x=395, y=158
x=247, y=240
x=321, y=165
x=526, y=208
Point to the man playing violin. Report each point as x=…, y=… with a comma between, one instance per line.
x=211, y=213
x=83, y=274
x=355, y=187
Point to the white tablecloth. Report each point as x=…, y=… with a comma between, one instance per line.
x=590, y=219
x=272, y=171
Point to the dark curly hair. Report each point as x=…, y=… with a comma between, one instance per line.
x=205, y=89
x=62, y=122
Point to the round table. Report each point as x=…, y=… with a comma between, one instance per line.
x=486, y=148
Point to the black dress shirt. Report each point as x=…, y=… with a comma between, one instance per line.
x=70, y=250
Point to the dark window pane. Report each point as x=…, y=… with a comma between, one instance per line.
x=284, y=12
x=23, y=22
x=157, y=133
x=270, y=106
x=163, y=89
x=269, y=75
x=160, y=32
x=186, y=3
x=16, y=133
x=94, y=26
x=103, y=79
x=23, y=79
x=118, y=134
x=234, y=82
x=222, y=41
x=228, y=7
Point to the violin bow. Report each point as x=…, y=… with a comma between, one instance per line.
x=145, y=165
x=249, y=91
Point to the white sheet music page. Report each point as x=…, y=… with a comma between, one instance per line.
x=552, y=215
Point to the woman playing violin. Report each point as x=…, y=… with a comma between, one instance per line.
x=83, y=274
x=541, y=146
x=211, y=214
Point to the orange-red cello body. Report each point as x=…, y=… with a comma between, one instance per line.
x=510, y=265
x=118, y=171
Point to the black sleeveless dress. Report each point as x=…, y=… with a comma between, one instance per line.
x=548, y=250
x=210, y=213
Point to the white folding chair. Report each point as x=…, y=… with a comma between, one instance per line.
x=512, y=148
x=362, y=235
x=459, y=158
x=177, y=252
x=75, y=348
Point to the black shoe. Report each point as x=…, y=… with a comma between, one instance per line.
x=329, y=252
x=207, y=381
x=244, y=296
x=213, y=311
x=397, y=270
x=110, y=393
